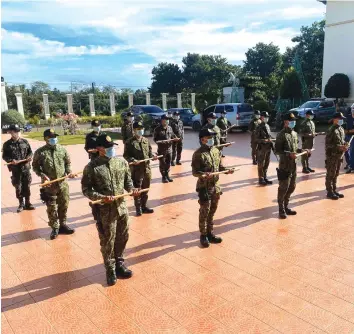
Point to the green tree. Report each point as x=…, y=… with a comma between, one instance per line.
x=12, y=117
x=166, y=78
x=338, y=86
x=291, y=86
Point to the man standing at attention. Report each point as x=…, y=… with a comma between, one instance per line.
x=211, y=125
x=178, y=130
x=308, y=134
x=223, y=125
x=251, y=129
x=127, y=128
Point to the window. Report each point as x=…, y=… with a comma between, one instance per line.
x=152, y=110
x=187, y=111
x=229, y=108
x=209, y=110
x=245, y=108
x=310, y=104
x=219, y=109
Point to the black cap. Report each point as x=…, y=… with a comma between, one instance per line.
x=129, y=114
x=206, y=133
x=264, y=114
x=212, y=115
x=95, y=122
x=138, y=125
x=50, y=133
x=338, y=115
x=14, y=127
x=165, y=117
x=257, y=112
x=310, y=112
x=289, y=117
x=104, y=141
x=176, y=113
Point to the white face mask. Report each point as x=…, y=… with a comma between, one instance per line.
x=140, y=132
x=257, y=117
x=311, y=117
x=213, y=121
x=210, y=142
x=340, y=122
x=266, y=119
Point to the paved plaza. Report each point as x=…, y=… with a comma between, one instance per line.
x=268, y=275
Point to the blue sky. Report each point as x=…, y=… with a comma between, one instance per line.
x=118, y=42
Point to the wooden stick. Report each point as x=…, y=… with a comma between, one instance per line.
x=223, y=172
x=46, y=183
x=119, y=196
x=226, y=144
x=18, y=162
x=349, y=142
x=140, y=161
x=299, y=154
x=166, y=141
x=92, y=150
x=320, y=133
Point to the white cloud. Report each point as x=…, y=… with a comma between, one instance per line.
x=292, y=13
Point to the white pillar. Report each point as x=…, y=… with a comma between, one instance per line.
x=179, y=100
x=148, y=101
x=164, y=101
x=69, y=99
x=46, y=106
x=193, y=101
x=92, y=105
x=4, y=106
x=131, y=99
x=19, y=103
x=112, y=104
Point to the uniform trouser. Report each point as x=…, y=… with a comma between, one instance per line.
x=263, y=159
x=305, y=158
x=333, y=167
x=113, y=231
x=57, y=203
x=208, y=206
x=254, y=149
x=223, y=141
x=165, y=161
x=349, y=155
x=286, y=188
x=177, y=150
x=141, y=181
x=21, y=179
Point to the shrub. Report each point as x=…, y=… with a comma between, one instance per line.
x=12, y=117
x=262, y=105
x=338, y=86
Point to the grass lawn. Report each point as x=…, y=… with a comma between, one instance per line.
x=68, y=139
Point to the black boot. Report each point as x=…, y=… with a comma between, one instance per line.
x=178, y=163
x=311, y=170
x=262, y=182
x=255, y=162
x=28, y=205
x=346, y=166
x=111, y=277
x=54, y=233
x=20, y=205
x=138, y=211
x=123, y=272
x=267, y=181
x=65, y=229
x=222, y=155
x=173, y=163
x=164, y=178
x=168, y=178
x=332, y=196
x=290, y=212
x=305, y=171
x=282, y=213
x=204, y=241
x=213, y=239
x=145, y=209
x=338, y=194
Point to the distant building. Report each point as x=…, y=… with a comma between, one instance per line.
x=339, y=42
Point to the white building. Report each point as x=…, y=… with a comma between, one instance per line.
x=339, y=42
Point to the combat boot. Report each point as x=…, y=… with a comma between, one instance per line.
x=282, y=213
x=20, y=205
x=123, y=272
x=311, y=170
x=164, y=178
x=305, y=171
x=54, y=233
x=267, y=181
x=168, y=178
x=178, y=163
x=349, y=170
x=28, y=205
x=213, y=239
x=290, y=212
x=138, y=211
x=204, y=241
x=262, y=182
x=147, y=210
x=111, y=277
x=332, y=196
x=65, y=229
x=338, y=194
x=255, y=162
x=173, y=163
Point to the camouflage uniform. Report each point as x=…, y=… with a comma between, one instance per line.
x=252, y=128
x=286, y=140
x=127, y=130
x=54, y=162
x=207, y=159
x=264, y=148
x=178, y=130
x=308, y=132
x=215, y=129
x=334, y=138
x=21, y=174
x=90, y=144
x=164, y=149
x=135, y=150
x=109, y=177
x=223, y=125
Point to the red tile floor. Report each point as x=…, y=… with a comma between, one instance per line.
x=268, y=276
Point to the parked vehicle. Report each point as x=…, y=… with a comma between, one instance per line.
x=186, y=115
x=237, y=114
x=5, y=128
x=27, y=128
x=323, y=109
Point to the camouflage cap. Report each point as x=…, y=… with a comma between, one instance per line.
x=338, y=115
x=50, y=133
x=104, y=141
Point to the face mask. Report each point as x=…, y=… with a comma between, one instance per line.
x=176, y=118
x=340, y=122
x=210, y=142
x=292, y=124
x=97, y=129
x=110, y=152
x=266, y=119
x=167, y=122
x=53, y=141
x=311, y=117
x=140, y=132
x=213, y=122
x=257, y=116
x=222, y=116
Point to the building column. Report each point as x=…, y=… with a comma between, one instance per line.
x=193, y=101
x=69, y=99
x=92, y=105
x=4, y=106
x=46, y=107
x=179, y=100
x=19, y=103
x=148, y=100
x=130, y=99
x=112, y=104
x=164, y=101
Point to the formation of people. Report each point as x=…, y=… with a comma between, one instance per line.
x=107, y=179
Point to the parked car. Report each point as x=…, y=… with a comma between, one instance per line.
x=238, y=114
x=186, y=115
x=28, y=128
x=323, y=109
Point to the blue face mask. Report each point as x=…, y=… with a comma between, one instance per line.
x=340, y=122
x=97, y=129
x=292, y=124
x=213, y=122
x=140, y=132
x=210, y=142
x=53, y=141
x=110, y=152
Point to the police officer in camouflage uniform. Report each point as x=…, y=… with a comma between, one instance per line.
x=206, y=160
x=286, y=146
x=263, y=139
x=211, y=125
x=251, y=129
x=165, y=132
x=90, y=141
x=335, y=148
x=223, y=125
x=14, y=150
x=178, y=130
x=308, y=134
x=103, y=178
x=127, y=128
x=135, y=149
x=50, y=162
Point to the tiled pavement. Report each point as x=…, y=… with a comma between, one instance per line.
x=268, y=276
